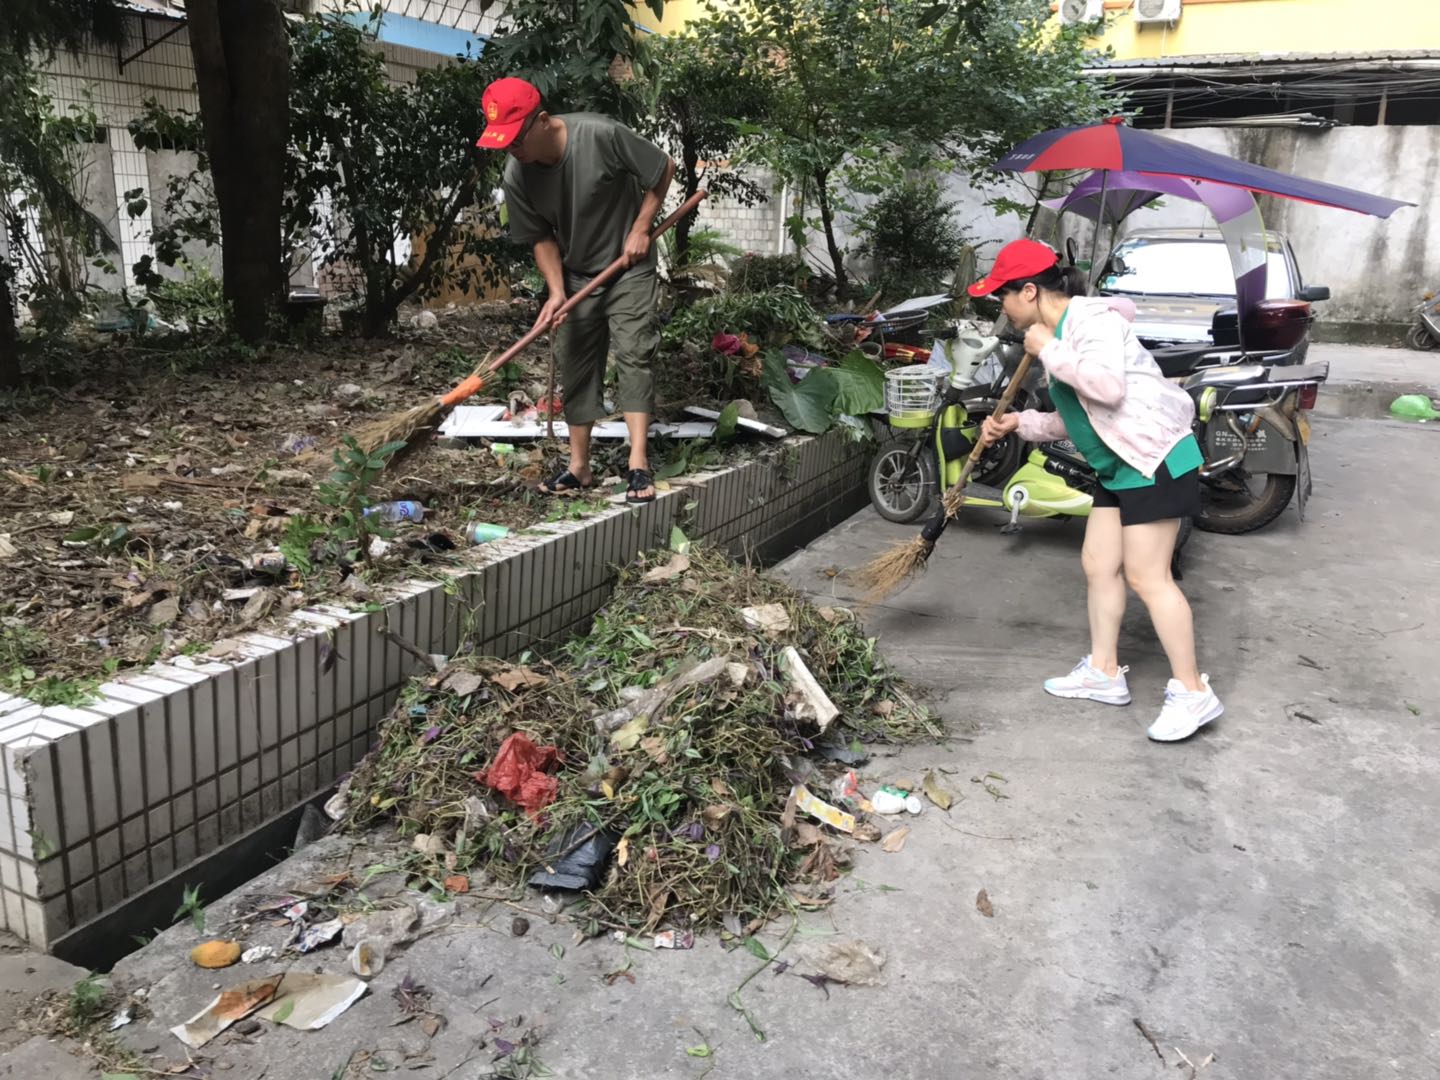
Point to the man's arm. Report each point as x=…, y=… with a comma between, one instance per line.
x=637, y=244
x=547, y=261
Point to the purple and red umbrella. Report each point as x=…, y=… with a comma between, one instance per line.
x=1115, y=146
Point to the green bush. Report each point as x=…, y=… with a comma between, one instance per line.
x=760, y=273
x=912, y=238
x=773, y=317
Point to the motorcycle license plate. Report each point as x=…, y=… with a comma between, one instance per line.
x=1302, y=423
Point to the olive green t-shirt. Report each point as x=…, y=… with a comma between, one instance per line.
x=589, y=199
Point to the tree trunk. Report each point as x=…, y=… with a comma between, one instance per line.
x=827, y=218
x=9, y=332
x=690, y=177
x=437, y=248
x=242, y=73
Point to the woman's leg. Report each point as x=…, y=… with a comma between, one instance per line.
x=1102, y=557
x=1147, y=551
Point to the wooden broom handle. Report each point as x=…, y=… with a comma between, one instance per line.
x=474, y=382
x=1006, y=400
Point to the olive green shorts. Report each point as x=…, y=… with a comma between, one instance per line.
x=621, y=319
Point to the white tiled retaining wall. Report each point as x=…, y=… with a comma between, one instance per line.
x=106, y=803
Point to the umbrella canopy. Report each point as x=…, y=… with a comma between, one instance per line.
x=1117, y=147
x=1233, y=208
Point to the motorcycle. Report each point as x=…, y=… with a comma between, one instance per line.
x=1251, y=428
x=1425, y=334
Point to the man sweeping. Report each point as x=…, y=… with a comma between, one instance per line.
x=584, y=190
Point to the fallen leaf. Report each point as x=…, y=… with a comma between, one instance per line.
x=896, y=839
x=701, y=1051
x=622, y=851
x=739, y=674
x=61, y=517
x=166, y=611
x=768, y=618
x=677, y=565
x=283, y=1013
x=851, y=962
x=7, y=549
x=808, y=835
x=518, y=677
x=833, y=615
x=867, y=831
x=457, y=883
x=430, y=1025
x=628, y=735
x=719, y=787
x=429, y=844
x=21, y=479
x=883, y=708
x=462, y=683
x=935, y=793
x=983, y=905
x=654, y=746
x=716, y=815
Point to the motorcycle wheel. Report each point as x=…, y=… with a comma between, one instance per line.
x=1420, y=338
x=902, y=488
x=1234, y=512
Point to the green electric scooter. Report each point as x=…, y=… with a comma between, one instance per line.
x=934, y=420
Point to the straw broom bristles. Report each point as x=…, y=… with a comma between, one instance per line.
x=885, y=573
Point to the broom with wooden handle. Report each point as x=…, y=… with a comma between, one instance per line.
x=409, y=426
x=885, y=573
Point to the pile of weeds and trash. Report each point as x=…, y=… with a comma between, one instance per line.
x=651, y=761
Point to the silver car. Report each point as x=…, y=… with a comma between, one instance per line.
x=1181, y=280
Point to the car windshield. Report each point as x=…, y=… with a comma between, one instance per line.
x=1169, y=267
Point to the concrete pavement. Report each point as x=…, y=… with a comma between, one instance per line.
x=1365, y=379
x=1267, y=893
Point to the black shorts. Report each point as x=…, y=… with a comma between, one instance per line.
x=1169, y=497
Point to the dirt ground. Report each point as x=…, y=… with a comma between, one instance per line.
x=138, y=488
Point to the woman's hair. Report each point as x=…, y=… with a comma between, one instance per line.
x=1067, y=280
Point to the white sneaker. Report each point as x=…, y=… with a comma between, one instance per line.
x=1185, y=711
x=1087, y=681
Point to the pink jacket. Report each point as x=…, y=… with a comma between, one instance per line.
x=1135, y=410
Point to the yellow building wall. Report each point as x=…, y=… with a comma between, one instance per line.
x=1207, y=27
x=677, y=14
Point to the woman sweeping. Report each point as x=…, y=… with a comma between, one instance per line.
x=1133, y=426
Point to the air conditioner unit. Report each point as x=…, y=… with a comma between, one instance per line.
x=1156, y=11
x=1080, y=11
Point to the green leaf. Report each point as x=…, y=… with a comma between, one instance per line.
x=558, y=951
x=283, y=1013
x=727, y=422
x=679, y=542
x=860, y=385
x=931, y=16
x=701, y=1051
x=757, y=949
x=807, y=405
x=80, y=536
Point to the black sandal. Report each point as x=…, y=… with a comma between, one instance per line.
x=640, y=479
x=565, y=483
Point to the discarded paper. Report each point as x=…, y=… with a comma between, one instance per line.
x=819, y=808
x=895, y=840
x=308, y=1002
x=234, y=1004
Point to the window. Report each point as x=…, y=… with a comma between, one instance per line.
x=1184, y=267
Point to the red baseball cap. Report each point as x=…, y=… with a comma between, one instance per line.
x=1017, y=259
x=508, y=104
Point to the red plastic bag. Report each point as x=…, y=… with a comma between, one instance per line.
x=518, y=773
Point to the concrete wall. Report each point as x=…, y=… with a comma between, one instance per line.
x=1376, y=269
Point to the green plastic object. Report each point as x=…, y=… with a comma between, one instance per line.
x=1413, y=407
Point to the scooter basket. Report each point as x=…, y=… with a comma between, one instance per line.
x=911, y=395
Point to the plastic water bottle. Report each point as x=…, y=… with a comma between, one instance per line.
x=405, y=510
x=482, y=532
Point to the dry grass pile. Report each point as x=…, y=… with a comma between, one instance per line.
x=679, y=732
